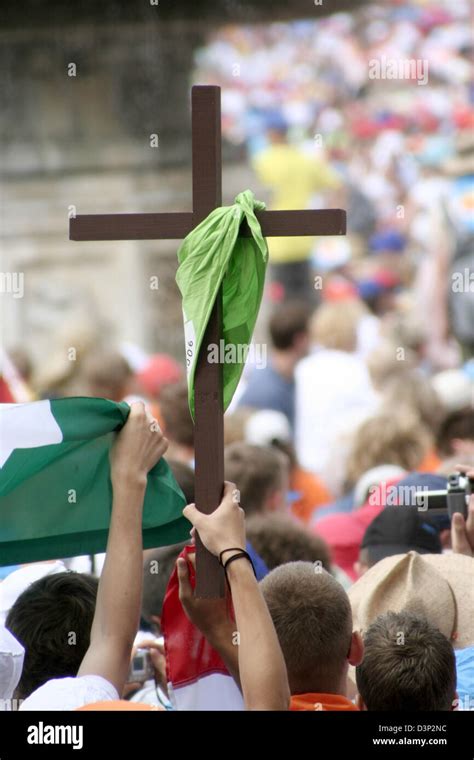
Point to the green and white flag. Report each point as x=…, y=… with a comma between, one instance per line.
x=55, y=488
x=212, y=255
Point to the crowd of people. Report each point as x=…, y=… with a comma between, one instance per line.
x=346, y=590
x=325, y=127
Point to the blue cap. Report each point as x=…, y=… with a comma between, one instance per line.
x=389, y=240
x=276, y=121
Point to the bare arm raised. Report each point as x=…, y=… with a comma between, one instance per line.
x=139, y=446
x=262, y=668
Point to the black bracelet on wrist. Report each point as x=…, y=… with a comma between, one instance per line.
x=232, y=549
x=240, y=555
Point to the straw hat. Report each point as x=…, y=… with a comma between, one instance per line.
x=438, y=586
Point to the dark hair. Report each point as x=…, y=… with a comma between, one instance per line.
x=278, y=539
x=174, y=408
x=157, y=569
x=256, y=471
x=287, y=322
x=52, y=618
x=184, y=476
x=312, y=616
x=408, y=665
x=459, y=424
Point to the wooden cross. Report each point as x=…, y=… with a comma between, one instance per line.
x=207, y=195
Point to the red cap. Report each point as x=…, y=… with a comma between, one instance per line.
x=161, y=370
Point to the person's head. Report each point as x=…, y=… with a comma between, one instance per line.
x=184, y=476
x=159, y=371
x=267, y=427
x=397, y=530
x=177, y=421
x=385, y=364
x=288, y=328
x=279, y=539
x=454, y=388
x=106, y=374
x=235, y=424
x=456, y=433
x=408, y=665
x=334, y=325
x=158, y=566
x=313, y=620
x=408, y=330
x=387, y=438
x=260, y=474
x=276, y=127
x=413, y=392
x=52, y=619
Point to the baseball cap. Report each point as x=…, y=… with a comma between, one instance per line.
x=387, y=240
x=398, y=530
x=266, y=426
x=159, y=371
x=454, y=387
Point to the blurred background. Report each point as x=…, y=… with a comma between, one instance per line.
x=95, y=117
x=368, y=339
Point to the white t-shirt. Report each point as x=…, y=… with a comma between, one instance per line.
x=334, y=395
x=70, y=693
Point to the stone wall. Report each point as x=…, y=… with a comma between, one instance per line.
x=81, y=144
x=83, y=86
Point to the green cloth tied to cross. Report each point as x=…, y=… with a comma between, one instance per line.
x=212, y=255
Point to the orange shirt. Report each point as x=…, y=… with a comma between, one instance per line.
x=324, y=702
x=313, y=493
x=430, y=462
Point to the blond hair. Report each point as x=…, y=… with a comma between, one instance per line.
x=388, y=361
x=415, y=393
x=391, y=437
x=334, y=325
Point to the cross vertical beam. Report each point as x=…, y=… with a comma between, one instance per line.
x=209, y=413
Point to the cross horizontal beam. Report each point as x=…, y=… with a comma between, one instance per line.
x=176, y=225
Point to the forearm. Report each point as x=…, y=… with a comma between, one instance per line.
x=225, y=644
x=261, y=666
x=138, y=447
x=120, y=588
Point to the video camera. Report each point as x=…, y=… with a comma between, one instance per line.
x=455, y=498
x=141, y=668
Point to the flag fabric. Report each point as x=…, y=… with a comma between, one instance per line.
x=6, y=396
x=55, y=487
x=212, y=255
x=196, y=674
